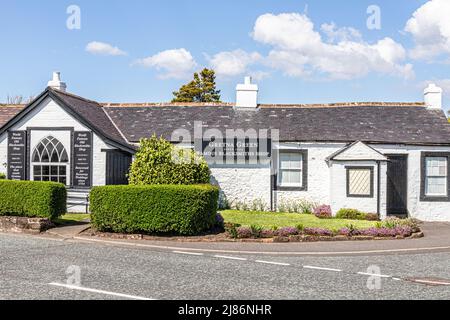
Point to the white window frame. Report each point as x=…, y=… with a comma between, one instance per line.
x=294, y=169
x=443, y=177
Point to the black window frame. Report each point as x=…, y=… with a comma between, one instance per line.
x=372, y=181
x=304, y=186
x=423, y=173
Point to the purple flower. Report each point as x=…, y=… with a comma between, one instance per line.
x=268, y=233
x=244, y=232
x=318, y=232
x=323, y=212
x=404, y=231
x=287, y=231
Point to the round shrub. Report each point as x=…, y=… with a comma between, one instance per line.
x=323, y=212
x=351, y=214
x=159, y=162
x=2, y=176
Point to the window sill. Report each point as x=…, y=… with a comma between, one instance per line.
x=435, y=199
x=291, y=188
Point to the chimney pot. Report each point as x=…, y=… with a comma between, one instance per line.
x=56, y=82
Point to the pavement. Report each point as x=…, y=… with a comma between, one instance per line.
x=50, y=267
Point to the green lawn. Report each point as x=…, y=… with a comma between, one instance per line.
x=270, y=219
x=71, y=218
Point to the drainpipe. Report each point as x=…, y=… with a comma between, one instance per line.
x=378, y=188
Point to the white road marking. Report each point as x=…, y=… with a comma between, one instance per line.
x=271, y=262
x=320, y=268
x=397, y=279
x=374, y=275
x=188, y=253
x=433, y=282
x=231, y=258
x=71, y=287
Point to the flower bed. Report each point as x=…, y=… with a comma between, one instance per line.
x=392, y=228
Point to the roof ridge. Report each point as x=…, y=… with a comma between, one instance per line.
x=74, y=96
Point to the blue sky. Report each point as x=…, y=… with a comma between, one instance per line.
x=298, y=51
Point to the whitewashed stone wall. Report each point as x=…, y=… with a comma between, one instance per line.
x=243, y=184
x=319, y=177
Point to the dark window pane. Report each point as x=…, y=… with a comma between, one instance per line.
x=45, y=170
x=62, y=170
x=63, y=180
x=37, y=170
x=45, y=178
x=54, y=179
x=37, y=178
x=45, y=157
x=64, y=157
x=55, y=157
x=54, y=171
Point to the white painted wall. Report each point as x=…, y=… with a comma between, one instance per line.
x=243, y=184
x=319, y=174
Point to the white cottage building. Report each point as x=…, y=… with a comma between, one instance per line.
x=385, y=158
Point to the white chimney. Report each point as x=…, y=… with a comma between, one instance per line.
x=433, y=96
x=247, y=94
x=56, y=82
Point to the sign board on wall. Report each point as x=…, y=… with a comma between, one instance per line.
x=237, y=151
x=17, y=154
x=82, y=159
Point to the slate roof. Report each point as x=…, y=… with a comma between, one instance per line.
x=92, y=112
x=403, y=124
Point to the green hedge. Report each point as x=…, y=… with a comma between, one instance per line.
x=32, y=199
x=2, y=176
x=176, y=209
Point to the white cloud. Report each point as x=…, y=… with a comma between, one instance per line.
x=430, y=28
x=336, y=34
x=233, y=63
x=104, y=49
x=175, y=63
x=298, y=50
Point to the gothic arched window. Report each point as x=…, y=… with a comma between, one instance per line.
x=50, y=160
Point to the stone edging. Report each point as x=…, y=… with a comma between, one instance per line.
x=24, y=224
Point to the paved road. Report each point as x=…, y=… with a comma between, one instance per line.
x=35, y=268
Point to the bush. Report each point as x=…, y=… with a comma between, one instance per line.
x=2, y=176
x=351, y=214
x=185, y=210
x=32, y=199
x=323, y=212
x=159, y=162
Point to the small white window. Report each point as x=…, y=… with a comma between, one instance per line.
x=360, y=182
x=291, y=169
x=436, y=176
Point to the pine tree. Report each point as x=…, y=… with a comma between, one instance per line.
x=201, y=89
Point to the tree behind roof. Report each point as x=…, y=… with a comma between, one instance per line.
x=201, y=89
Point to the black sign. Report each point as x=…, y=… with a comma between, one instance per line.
x=237, y=151
x=82, y=159
x=17, y=153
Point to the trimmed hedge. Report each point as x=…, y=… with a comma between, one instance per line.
x=179, y=209
x=32, y=199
